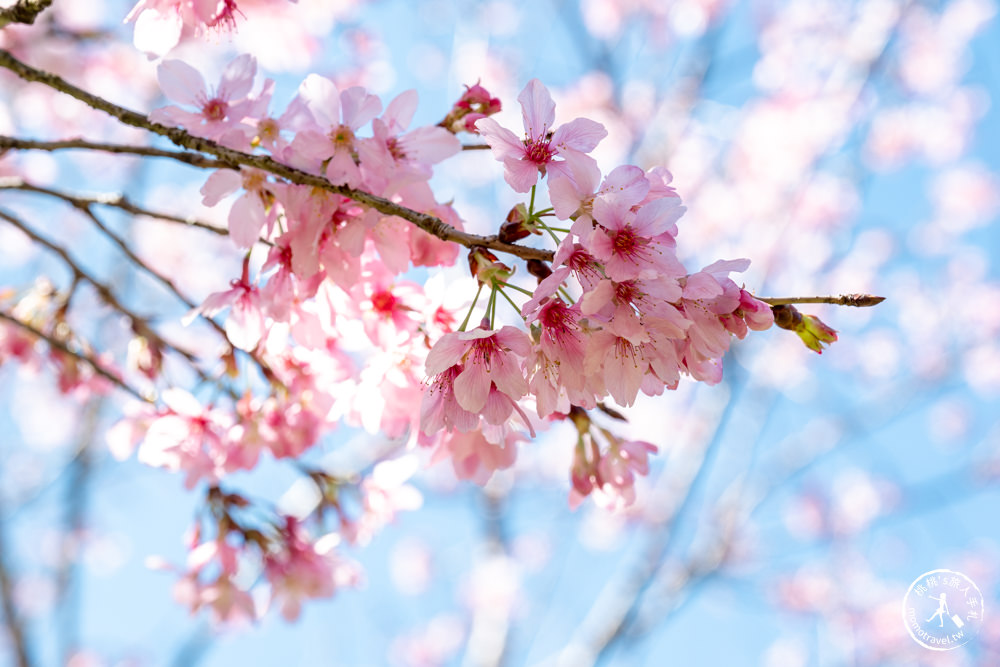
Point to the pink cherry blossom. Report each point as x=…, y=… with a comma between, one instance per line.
x=329, y=122
x=220, y=112
x=491, y=360
x=626, y=241
x=245, y=322
x=524, y=160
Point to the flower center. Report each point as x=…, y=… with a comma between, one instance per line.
x=538, y=151
x=383, y=302
x=215, y=109
x=343, y=135
x=395, y=149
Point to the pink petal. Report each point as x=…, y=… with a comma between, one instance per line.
x=625, y=184
x=498, y=408
x=245, y=325
x=430, y=144
x=701, y=286
x=220, y=184
x=657, y=216
x=502, y=141
x=537, y=109
x=726, y=266
x=341, y=170
x=399, y=112
x=472, y=387
x=322, y=99
x=180, y=82
x=520, y=174
x=157, y=32
x=581, y=134
x=359, y=107
x=446, y=353
x=246, y=218
x=508, y=377
x=237, y=78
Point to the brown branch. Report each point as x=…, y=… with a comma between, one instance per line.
x=429, y=223
x=139, y=324
x=193, y=159
x=476, y=147
x=24, y=11
x=114, y=200
x=64, y=348
x=857, y=300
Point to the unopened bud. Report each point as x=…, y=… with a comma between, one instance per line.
x=813, y=332
x=486, y=268
x=516, y=226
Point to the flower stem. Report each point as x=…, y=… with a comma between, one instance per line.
x=511, y=301
x=465, y=322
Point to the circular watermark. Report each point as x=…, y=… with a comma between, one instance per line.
x=943, y=610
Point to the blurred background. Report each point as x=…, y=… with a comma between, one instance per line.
x=842, y=146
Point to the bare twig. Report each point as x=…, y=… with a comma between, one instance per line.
x=193, y=159
x=139, y=324
x=85, y=358
x=429, y=223
x=857, y=300
x=23, y=11
x=114, y=200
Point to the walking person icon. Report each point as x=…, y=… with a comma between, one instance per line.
x=941, y=610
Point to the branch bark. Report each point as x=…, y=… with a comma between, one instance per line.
x=193, y=159
x=233, y=158
x=23, y=11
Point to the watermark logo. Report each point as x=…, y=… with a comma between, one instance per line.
x=943, y=610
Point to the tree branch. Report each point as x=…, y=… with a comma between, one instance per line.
x=193, y=159
x=23, y=11
x=62, y=347
x=429, y=223
x=114, y=200
x=857, y=300
x=12, y=616
x=139, y=324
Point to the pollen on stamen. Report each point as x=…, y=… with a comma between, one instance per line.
x=538, y=152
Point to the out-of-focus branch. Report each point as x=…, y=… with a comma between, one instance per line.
x=85, y=358
x=139, y=324
x=114, y=200
x=429, y=223
x=11, y=614
x=23, y=11
x=193, y=159
x=490, y=630
x=618, y=605
x=76, y=506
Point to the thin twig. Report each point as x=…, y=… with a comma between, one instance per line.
x=429, y=223
x=139, y=324
x=193, y=159
x=62, y=347
x=12, y=615
x=114, y=200
x=857, y=300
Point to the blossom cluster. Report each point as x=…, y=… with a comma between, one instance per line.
x=617, y=313
x=342, y=336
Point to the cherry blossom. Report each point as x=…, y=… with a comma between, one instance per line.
x=524, y=160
